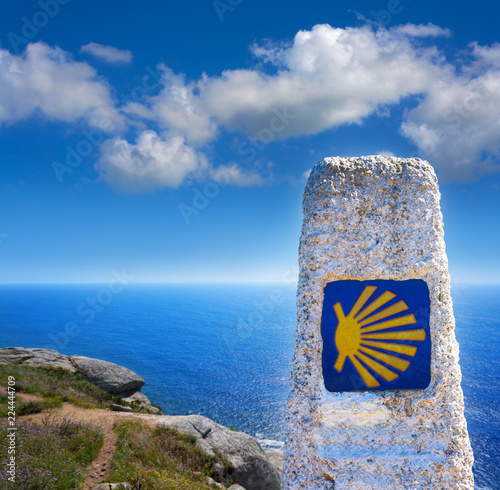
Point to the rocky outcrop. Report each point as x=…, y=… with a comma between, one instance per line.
x=110, y=377
x=35, y=357
x=120, y=408
x=276, y=458
x=140, y=401
x=252, y=469
x=112, y=486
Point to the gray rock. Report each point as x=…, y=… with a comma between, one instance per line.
x=276, y=458
x=49, y=358
x=141, y=401
x=252, y=469
x=236, y=487
x=111, y=486
x=137, y=397
x=120, y=408
x=14, y=355
x=110, y=377
x=212, y=482
x=35, y=357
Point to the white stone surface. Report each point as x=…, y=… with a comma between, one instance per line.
x=374, y=218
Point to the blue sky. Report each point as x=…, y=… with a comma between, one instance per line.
x=172, y=139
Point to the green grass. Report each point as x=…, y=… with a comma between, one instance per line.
x=51, y=455
x=55, y=386
x=161, y=458
x=55, y=456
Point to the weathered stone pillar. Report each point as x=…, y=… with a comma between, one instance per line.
x=375, y=401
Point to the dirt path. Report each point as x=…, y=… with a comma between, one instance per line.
x=100, y=468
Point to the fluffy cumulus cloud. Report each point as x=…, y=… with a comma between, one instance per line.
x=421, y=30
x=456, y=126
x=323, y=78
x=150, y=163
x=233, y=174
x=155, y=162
x=109, y=54
x=326, y=77
x=47, y=81
x=178, y=108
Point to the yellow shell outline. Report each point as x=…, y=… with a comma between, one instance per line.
x=360, y=331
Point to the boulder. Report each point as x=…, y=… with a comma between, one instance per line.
x=14, y=355
x=138, y=398
x=35, y=357
x=140, y=401
x=120, y=408
x=235, y=487
x=252, y=469
x=110, y=377
x=111, y=486
x=212, y=482
x=49, y=358
x=276, y=458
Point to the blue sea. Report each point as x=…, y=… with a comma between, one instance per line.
x=225, y=351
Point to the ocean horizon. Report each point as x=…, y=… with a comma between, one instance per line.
x=225, y=350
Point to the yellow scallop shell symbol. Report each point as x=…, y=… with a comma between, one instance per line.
x=361, y=337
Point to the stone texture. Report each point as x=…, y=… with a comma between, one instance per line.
x=374, y=218
x=236, y=487
x=49, y=358
x=111, y=486
x=110, y=377
x=120, y=408
x=14, y=355
x=215, y=484
x=35, y=357
x=276, y=459
x=137, y=397
x=141, y=401
x=252, y=469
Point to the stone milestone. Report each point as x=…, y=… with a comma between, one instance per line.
x=375, y=400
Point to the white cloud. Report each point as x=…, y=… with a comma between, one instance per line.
x=151, y=163
x=107, y=53
x=48, y=81
x=456, y=126
x=233, y=174
x=156, y=162
x=385, y=153
x=327, y=77
x=178, y=108
x=421, y=30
